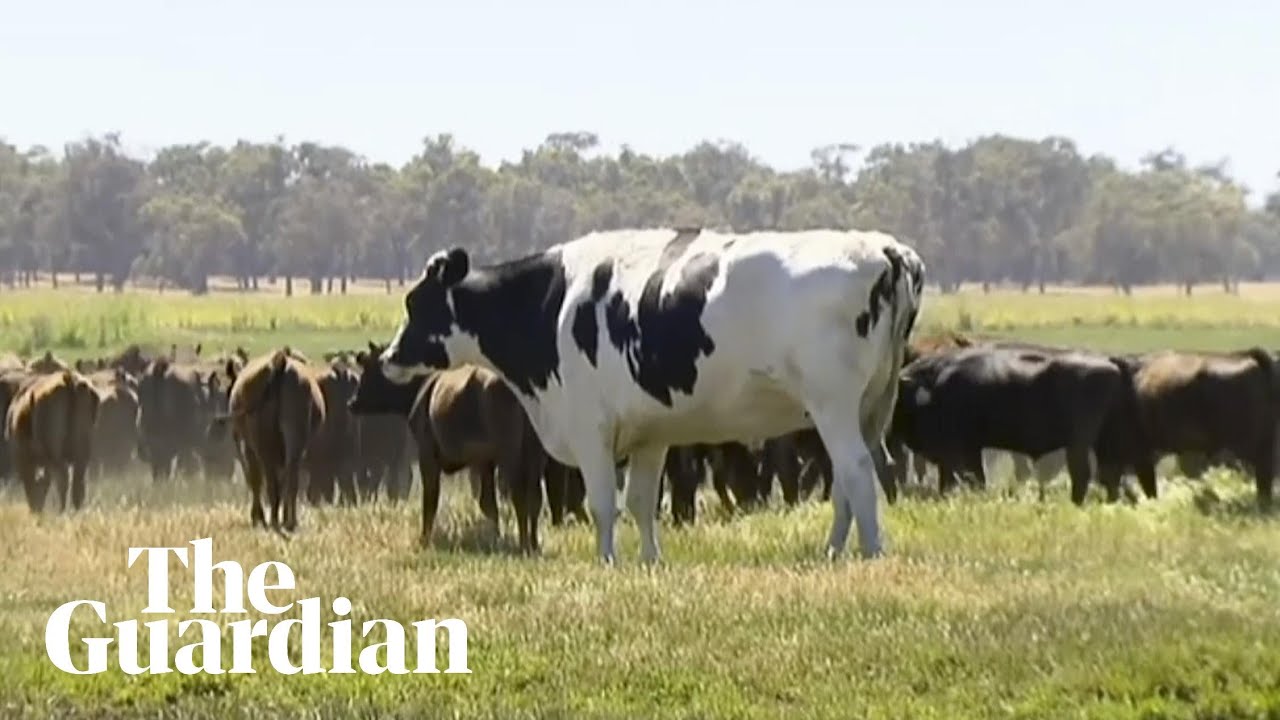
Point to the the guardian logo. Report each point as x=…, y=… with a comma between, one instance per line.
x=206, y=636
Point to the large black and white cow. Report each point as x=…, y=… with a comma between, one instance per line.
x=622, y=343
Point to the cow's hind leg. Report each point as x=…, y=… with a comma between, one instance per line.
x=78, y=470
x=271, y=475
x=599, y=476
x=1264, y=466
x=35, y=483
x=554, y=479
x=482, y=473
x=292, y=480
x=429, y=469
x=853, y=492
x=57, y=472
x=643, y=472
x=1078, y=469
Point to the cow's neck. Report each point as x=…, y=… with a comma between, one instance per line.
x=507, y=315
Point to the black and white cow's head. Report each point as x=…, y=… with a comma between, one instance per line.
x=421, y=345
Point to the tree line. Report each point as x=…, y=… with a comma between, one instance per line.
x=998, y=209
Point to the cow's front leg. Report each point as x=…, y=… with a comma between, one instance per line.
x=642, y=497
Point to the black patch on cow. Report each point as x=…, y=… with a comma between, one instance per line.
x=585, y=330
x=882, y=292
x=427, y=321
x=512, y=310
x=662, y=343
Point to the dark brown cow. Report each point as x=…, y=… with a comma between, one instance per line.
x=172, y=417
x=49, y=426
x=1196, y=404
x=331, y=460
x=274, y=410
x=383, y=450
x=217, y=455
x=463, y=418
x=115, y=433
x=566, y=492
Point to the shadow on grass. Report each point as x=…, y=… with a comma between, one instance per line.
x=477, y=538
x=1244, y=506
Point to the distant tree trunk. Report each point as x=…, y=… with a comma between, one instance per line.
x=77, y=277
x=288, y=285
x=253, y=282
x=329, y=285
x=1041, y=286
x=387, y=282
x=986, y=287
x=201, y=285
x=1187, y=288
x=315, y=284
x=343, y=285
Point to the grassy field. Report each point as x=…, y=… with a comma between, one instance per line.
x=990, y=605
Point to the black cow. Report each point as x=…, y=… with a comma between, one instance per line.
x=953, y=403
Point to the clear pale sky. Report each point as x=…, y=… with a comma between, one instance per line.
x=1118, y=76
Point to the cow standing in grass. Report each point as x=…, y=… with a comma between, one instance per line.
x=275, y=407
x=462, y=418
x=49, y=426
x=954, y=403
x=1196, y=404
x=621, y=344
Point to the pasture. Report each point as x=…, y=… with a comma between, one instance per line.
x=986, y=605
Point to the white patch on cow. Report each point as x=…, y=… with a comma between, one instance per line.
x=782, y=313
x=396, y=373
x=923, y=396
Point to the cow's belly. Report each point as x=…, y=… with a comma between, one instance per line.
x=752, y=408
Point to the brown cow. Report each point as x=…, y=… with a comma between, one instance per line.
x=463, y=418
x=115, y=433
x=331, y=460
x=1195, y=403
x=173, y=415
x=49, y=425
x=12, y=381
x=274, y=408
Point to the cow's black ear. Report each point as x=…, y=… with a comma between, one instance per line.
x=456, y=266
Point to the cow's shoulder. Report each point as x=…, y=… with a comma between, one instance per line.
x=512, y=311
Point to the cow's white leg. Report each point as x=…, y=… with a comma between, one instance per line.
x=600, y=476
x=643, y=472
x=853, y=491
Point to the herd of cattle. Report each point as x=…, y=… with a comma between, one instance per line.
x=344, y=430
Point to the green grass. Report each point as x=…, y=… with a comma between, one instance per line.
x=984, y=607
x=992, y=605
x=75, y=323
